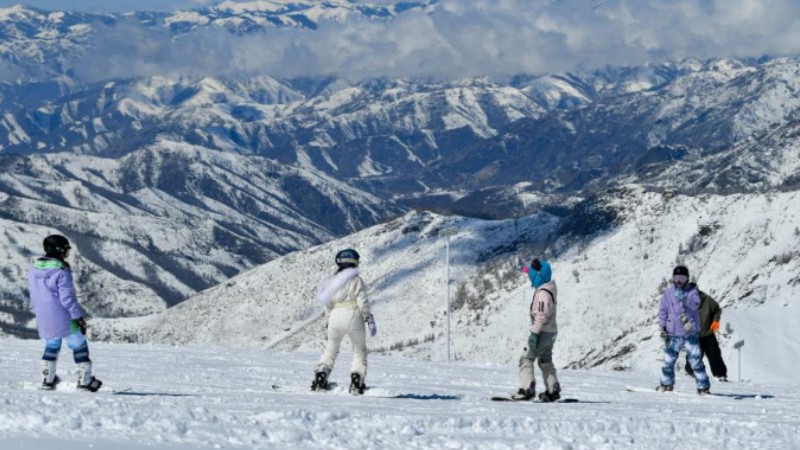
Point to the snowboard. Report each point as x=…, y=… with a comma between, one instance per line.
x=283, y=388
x=734, y=396
x=509, y=399
x=62, y=387
x=332, y=391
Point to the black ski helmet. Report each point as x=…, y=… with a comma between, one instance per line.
x=56, y=246
x=680, y=270
x=347, y=258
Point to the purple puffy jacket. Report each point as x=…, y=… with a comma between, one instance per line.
x=671, y=308
x=53, y=297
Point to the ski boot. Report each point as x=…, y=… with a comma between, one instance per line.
x=320, y=382
x=664, y=388
x=51, y=386
x=50, y=378
x=549, y=397
x=525, y=394
x=356, y=385
x=86, y=382
x=704, y=391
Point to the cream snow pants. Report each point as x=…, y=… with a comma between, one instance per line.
x=544, y=354
x=345, y=322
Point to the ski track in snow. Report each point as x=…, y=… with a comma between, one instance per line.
x=210, y=397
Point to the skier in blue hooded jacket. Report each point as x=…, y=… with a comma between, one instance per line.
x=542, y=337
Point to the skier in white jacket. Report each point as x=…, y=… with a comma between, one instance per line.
x=345, y=299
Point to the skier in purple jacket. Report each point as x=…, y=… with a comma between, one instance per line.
x=680, y=327
x=58, y=314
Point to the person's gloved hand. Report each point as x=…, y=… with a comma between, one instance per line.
x=81, y=324
x=664, y=334
x=715, y=326
x=370, y=319
x=533, y=340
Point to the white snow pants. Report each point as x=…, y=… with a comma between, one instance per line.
x=345, y=322
x=543, y=353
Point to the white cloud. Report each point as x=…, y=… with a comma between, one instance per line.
x=467, y=38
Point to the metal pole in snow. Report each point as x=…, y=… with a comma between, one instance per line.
x=447, y=257
x=447, y=233
x=738, y=346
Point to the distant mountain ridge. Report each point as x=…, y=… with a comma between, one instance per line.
x=462, y=135
x=261, y=14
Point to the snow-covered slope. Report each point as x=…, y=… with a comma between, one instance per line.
x=202, y=397
x=743, y=249
x=273, y=305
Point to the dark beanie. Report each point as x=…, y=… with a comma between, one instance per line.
x=680, y=270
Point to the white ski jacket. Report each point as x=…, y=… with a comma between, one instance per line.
x=344, y=290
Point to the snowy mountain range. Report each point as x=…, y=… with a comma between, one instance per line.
x=183, y=189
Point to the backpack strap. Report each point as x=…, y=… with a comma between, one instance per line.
x=549, y=292
x=541, y=289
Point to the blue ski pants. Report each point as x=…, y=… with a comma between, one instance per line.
x=694, y=355
x=76, y=341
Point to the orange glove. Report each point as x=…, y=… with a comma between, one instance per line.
x=715, y=326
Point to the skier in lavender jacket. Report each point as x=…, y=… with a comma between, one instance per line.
x=679, y=319
x=58, y=314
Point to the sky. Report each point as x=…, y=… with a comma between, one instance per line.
x=461, y=39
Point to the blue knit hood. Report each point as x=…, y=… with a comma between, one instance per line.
x=541, y=276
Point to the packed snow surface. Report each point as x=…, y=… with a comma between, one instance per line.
x=210, y=397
